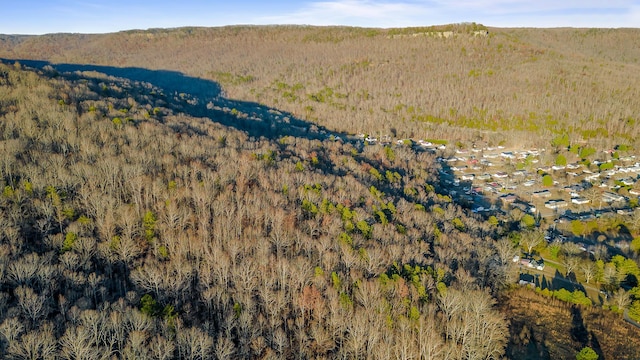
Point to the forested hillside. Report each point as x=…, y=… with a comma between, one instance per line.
x=199, y=193
x=130, y=231
x=511, y=86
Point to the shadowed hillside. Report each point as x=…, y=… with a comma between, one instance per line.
x=201, y=98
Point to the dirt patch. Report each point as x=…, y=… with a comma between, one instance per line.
x=545, y=328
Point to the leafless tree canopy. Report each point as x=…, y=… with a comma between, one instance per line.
x=132, y=230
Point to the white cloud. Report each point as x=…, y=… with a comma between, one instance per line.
x=354, y=12
x=389, y=13
x=533, y=7
x=92, y=16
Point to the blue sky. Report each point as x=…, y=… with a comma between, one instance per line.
x=93, y=16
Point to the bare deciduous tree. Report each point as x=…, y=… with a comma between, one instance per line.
x=37, y=344
x=588, y=270
x=76, y=344
x=33, y=306
x=531, y=239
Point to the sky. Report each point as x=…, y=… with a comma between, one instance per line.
x=93, y=16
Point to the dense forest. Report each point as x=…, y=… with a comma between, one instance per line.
x=135, y=232
x=168, y=194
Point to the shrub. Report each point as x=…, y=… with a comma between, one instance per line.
x=528, y=221
x=69, y=240
x=606, y=166
x=585, y=152
x=587, y=353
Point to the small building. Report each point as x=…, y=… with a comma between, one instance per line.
x=610, y=197
x=625, y=211
x=628, y=181
x=527, y=280
x=556, y=204
x=575, y=187
x=425, y=143
x=541, y=194
x=579, y=201
x=538, y=265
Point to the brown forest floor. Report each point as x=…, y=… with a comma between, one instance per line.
x=544, y=328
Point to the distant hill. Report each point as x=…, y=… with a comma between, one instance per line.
x=507, y=85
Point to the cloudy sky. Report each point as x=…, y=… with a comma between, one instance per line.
x=94, y=16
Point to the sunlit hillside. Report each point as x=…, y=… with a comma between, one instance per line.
x=512, y=85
